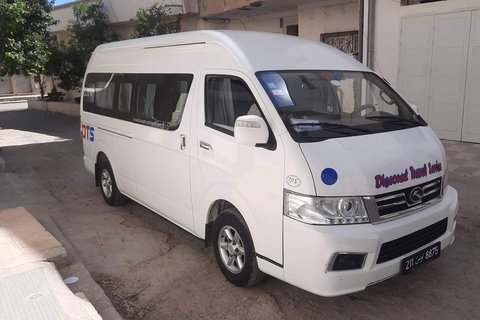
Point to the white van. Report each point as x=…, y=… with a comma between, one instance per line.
x=289, y=157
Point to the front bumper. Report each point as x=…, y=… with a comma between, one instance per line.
x=308, y=249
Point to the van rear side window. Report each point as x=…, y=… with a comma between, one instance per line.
x=99, y=92
x=125, y=98
x=160, y=99
x=155, y=100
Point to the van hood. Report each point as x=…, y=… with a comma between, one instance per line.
x=373, y=164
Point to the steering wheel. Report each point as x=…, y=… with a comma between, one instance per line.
x=358, y=110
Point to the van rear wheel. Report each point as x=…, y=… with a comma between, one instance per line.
x=108, y=186
x=234, y=249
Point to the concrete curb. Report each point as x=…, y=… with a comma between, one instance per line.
x=93, y=292
x=66, y=107
x=14, y=101
x=20, y=98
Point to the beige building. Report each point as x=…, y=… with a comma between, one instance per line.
x=332, y=21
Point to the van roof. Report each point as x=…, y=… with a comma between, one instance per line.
x=254, y=51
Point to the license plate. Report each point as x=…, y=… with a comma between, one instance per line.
x=420, y=258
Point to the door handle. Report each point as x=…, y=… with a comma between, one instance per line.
x=205, y=146
x=182, y=141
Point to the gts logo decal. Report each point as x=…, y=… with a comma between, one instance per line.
x=87, y=132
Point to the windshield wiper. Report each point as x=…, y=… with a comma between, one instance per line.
x=327, y=126
x=392, y=119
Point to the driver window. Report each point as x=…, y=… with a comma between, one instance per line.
x=226, y=99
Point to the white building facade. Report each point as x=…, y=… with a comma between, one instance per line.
x=428, y=50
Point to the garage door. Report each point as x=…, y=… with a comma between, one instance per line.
x=5, y=85
x=23, y=84
x=439, y=71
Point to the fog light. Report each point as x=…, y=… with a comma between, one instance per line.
x=348, y=261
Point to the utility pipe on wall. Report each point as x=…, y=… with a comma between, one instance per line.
x=371, y=34
x=361, y=12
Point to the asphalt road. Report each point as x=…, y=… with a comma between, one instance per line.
x=152, y=269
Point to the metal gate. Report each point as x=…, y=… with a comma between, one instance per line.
x=24, y=84
x=5, y=85
x=439, y=71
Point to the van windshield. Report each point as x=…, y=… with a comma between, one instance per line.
x=320, y=105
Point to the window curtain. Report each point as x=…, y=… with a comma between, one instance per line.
x=104, y=95
x=150, y=100
x=220, y=102
x=125, y=97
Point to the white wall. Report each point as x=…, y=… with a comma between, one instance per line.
x=388, y=15
x=326, y=19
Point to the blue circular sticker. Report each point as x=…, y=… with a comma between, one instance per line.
x=329, y=176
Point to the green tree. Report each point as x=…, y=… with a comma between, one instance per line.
x=24, y=26
x=53, y=66
x=88, y=30
x=155, y=20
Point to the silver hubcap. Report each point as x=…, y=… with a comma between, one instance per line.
x=232, y=251
x=106, y=183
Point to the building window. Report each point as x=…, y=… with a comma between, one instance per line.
x=410, y=2
x=292, y=30
x=343, y=41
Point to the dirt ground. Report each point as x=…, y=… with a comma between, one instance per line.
x=152, y=269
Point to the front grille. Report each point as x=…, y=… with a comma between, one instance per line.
x=396, y=248
x=399, y=202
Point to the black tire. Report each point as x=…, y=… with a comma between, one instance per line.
x=116, y=198
x=250, y=274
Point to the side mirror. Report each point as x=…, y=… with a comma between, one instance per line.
x=250, y=130
x=415, y=108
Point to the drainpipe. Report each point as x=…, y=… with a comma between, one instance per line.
x=361, y=9
x=371, y=33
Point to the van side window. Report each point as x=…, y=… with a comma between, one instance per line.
x=160, y=99
x=155, y=100
x=125, y=98
x=99, y=92
x=125, y=84
x=226, y=99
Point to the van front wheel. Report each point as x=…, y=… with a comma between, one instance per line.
x=234, y=249
x=108, y=186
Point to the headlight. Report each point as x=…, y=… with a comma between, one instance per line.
x=321, y=210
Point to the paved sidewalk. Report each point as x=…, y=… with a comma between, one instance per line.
x=36, y=291
x=463, y=157
x=31, y=287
